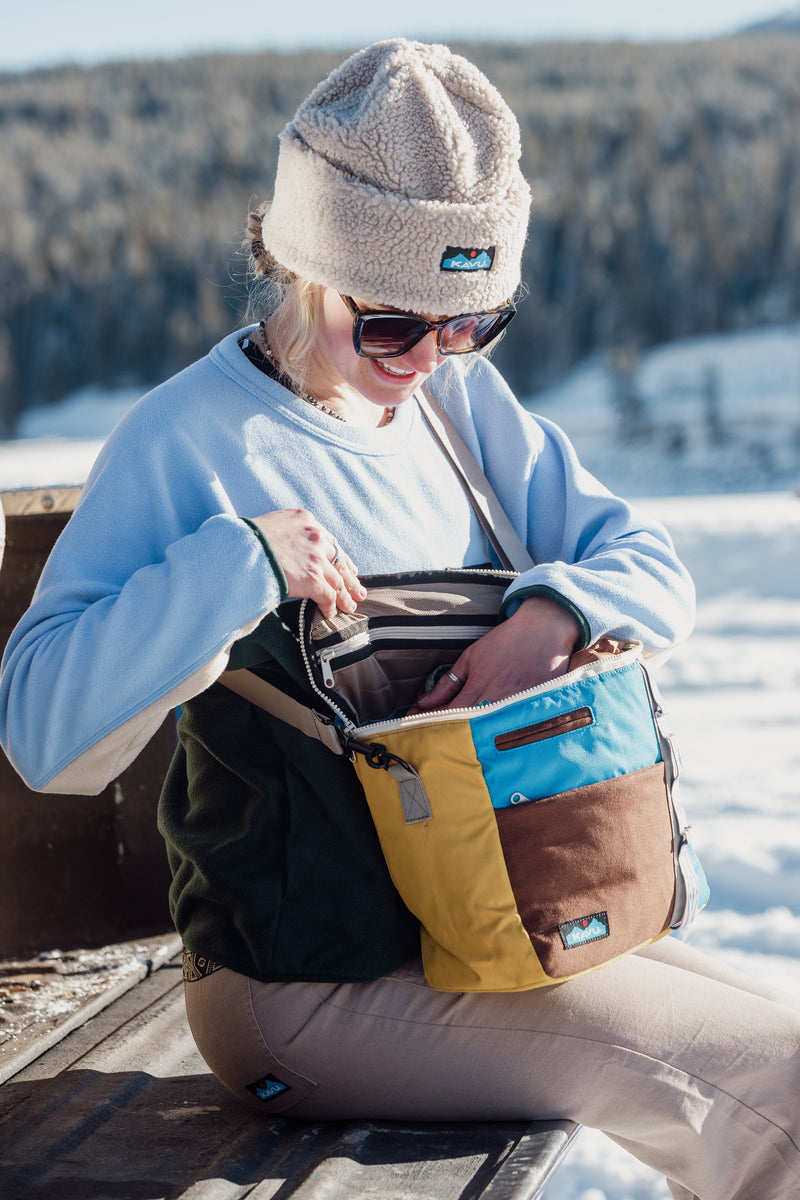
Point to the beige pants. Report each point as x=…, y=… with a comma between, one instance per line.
x=691, y=1066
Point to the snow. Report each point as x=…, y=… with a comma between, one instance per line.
x=733, y=691
x=58, y=444
x=726, y=491
x=719, y=414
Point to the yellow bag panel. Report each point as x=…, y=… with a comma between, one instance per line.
x=474, y=939
x=446, y=974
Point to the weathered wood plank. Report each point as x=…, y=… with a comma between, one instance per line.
x=24, y=502
x=42, y=1001
x=74, y=870
x=397, y=1160
x=125, y=1109
x=525, y=1172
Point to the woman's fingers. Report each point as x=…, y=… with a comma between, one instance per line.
x=444, y=692
x=531, y=647
x=342, y=576
x=314, y=564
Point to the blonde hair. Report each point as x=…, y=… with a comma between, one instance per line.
x=291, y=299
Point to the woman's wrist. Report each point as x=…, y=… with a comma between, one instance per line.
x=540, y=591
x=540, y=613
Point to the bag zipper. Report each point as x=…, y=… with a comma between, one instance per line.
x=600, y=667
x=349, y=727
x=382, y=727
x=325, y=658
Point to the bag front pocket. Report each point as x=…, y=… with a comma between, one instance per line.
x=583, y=730
x=592, y=869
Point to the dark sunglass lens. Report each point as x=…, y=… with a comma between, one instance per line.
x=390, y=335
x=470, y=332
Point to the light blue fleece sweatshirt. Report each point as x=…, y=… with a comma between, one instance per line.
x=157, y=573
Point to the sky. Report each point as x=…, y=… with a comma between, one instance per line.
x=90, y=31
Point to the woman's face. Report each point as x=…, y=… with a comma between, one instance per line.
x=385, y=382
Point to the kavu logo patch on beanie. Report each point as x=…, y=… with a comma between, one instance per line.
x=459, y=258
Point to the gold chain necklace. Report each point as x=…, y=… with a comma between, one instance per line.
x=266, y=350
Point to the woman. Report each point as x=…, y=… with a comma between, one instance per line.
x=268, y=470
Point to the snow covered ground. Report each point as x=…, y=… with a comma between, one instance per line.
x=58, y=444
x=706, y=415
x=734, y=695
x=724, y=485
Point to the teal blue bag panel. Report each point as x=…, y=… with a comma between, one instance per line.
x=584, y=732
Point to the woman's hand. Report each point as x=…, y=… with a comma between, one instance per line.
x=529, y=648
x=312, y=561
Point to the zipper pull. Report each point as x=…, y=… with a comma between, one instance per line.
x=323, y=659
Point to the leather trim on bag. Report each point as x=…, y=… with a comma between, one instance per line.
x=579, y=718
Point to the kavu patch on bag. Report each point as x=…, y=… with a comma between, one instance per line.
x=584, y=929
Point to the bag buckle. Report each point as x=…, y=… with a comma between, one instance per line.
x=374, y=754
x=413, y=796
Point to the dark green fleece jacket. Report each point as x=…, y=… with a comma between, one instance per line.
x=277, y=869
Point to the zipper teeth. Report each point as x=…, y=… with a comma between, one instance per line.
x=447, y=632
x=452, y=572
x=378, y=727
x=349, y=726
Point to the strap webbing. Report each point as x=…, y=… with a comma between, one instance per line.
x=509, y=547
x=255, y=689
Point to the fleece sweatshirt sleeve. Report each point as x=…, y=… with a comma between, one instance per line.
x=616, y=571
x=151, y=581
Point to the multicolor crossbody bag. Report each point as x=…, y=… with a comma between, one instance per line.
x=535, y=838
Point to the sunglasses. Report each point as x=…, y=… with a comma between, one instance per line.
x=389, y=334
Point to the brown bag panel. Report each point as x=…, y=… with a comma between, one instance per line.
x=602, y=849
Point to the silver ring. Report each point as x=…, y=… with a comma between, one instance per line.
x=336, y=554
x=452, y=675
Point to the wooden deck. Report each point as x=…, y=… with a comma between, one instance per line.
x=123, y=1108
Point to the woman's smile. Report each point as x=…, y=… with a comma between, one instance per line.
x=403, y=373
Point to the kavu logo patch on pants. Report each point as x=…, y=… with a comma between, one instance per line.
x=584, y=929
x=269, y=1087
x=460, y=258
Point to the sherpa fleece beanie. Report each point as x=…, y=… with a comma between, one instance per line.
x=398, y=183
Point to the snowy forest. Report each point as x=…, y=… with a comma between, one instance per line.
x=666, y=182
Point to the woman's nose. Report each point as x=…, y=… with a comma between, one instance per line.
x=424, y=357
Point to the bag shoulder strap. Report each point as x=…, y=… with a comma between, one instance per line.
x=265, y=695
x=509, y=547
